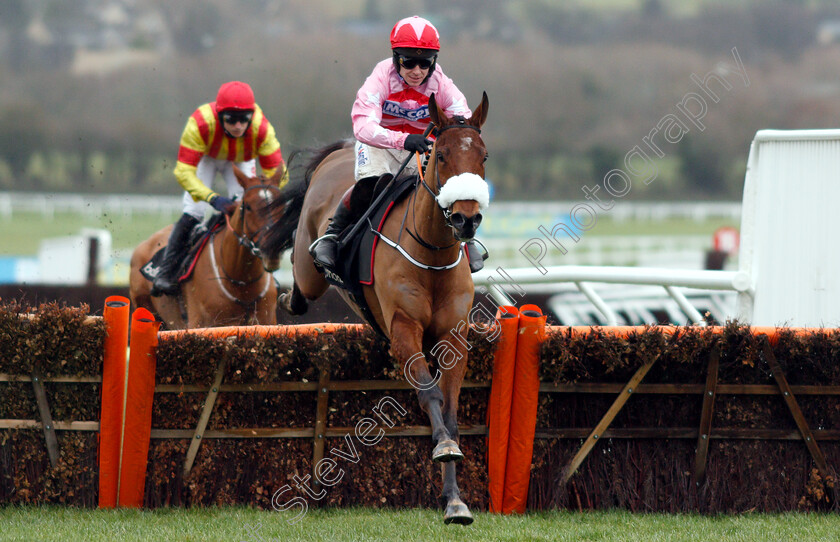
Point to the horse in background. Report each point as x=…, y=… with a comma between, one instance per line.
x=231, y=282
x=420, y=304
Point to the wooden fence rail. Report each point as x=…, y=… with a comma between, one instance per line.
x=320, y=430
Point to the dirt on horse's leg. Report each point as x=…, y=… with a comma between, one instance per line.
x=406, y=347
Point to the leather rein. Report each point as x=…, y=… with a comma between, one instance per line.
x=247, y=241
x=447, y=213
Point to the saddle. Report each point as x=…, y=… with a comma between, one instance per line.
x=199, y=237
x=356, y=252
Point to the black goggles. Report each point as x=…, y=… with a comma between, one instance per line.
x=410, y=62
x=232, y=117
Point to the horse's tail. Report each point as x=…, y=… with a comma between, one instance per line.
x=281, y=236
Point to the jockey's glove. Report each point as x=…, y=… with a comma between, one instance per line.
x=221, y=203
x=417, y=143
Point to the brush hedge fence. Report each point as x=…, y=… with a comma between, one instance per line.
x=706, y=426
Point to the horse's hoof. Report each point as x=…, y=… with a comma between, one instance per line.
x=457, y=512
x=285, y=302
x=446, y=451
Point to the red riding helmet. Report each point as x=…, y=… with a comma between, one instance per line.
x=415, y=37
x=415, y=33
x=235, y=95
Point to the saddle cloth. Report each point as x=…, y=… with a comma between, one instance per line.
x=356, y=253
x=199, y=237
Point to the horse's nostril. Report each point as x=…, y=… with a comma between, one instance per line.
x=477, y=220
x=458, y=220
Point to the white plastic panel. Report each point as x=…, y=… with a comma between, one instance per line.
x=789, y=224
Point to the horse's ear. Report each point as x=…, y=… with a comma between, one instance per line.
x=480, y=113
x=275, y=178
x=436, y=114
x=241, y=177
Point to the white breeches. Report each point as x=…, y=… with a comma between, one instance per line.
x=373, y=161
x=206, y=172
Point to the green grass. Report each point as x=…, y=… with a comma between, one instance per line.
x=608, y=226
x=246, y=524
x=23, y=232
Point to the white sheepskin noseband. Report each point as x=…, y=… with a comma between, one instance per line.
x=466, y=186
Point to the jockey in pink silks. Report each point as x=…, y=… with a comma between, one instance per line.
x=390, y=114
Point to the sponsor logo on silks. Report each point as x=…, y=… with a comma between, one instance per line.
x=361, y=156
x=151, y=269
x=394, y=109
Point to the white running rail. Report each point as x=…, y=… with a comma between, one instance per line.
x=501, y=284
x=47, y=205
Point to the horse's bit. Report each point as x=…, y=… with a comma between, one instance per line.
x=245, y=240
x=447, y=215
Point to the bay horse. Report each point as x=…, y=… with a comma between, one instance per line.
x=231, y=282
x=422, y=304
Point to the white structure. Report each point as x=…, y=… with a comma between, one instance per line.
x=507, y=286
x=66, y=260
x=789, y=220
x=789, y=270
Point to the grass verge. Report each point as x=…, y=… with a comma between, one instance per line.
x=47, y=523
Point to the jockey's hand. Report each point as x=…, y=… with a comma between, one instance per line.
x=221, y=203
x=417, y=143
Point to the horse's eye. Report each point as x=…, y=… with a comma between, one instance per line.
x=486, y=156
x=439, y=157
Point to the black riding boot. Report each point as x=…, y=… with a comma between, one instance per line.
x=352, y=206
x=166, y=283
x=325, y=249
x=476, y=255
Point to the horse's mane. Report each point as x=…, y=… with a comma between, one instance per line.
x=319, y=154
x=281, y=235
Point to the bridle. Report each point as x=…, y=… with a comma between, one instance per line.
x=247, y=241
x=447, y=212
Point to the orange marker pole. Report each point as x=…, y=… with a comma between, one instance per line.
x=115, y=315
x=138, y=408
x=523, y=411
x=498, y=407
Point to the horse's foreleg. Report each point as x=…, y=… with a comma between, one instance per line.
x=451, y=380
x=456, y=510
x=266, y=313
x=407, y=348
x=168, y=309
x=293, y=301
